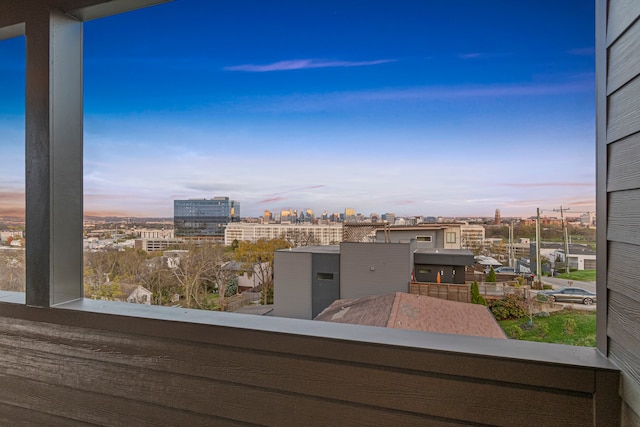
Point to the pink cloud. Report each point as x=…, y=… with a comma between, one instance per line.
x=302, y=64
x=295, y=189
x=551, y=184
x=272, y=199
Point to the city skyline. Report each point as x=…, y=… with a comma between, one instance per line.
x=418, y=109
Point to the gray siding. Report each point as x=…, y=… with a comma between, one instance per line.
x=324, y=291
x=104, y=368
x=619, y=192
x=374, y=269
x=292, y=284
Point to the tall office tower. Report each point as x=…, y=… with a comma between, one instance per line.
x=389, y=217
x=349, y=214
x=498, y=217
x=268, y=216
x=204, y=217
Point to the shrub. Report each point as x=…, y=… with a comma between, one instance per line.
x=476, y=298
x=514, y=332
x=542, y=329
x=543, y=314
x=547, y=287
x=569, y=326
x=511, y=307
x=491, y=277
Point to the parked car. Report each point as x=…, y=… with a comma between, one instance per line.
x=505, y=270
x=571, y=294
x=501, y=269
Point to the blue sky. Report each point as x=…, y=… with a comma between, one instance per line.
x=412, y=107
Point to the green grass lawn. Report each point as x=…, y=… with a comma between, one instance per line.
x=571, y=327
x=581, y=275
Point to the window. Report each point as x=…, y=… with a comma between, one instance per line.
x=450, y=237
x=12, y=152
x=325, y=276
x=423, y=238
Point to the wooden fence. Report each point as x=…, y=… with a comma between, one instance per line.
x=448, y=291
x=462, y=293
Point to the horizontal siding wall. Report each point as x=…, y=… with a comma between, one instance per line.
x=624, y=164
x=621, y=14
x=176, y=373
x=622, y=112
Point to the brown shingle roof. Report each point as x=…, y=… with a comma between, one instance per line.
x=415, y=312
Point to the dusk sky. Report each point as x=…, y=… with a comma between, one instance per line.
x=413, y=107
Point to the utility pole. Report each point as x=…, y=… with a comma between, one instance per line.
x=538, y=263
x=565, y=237
x=511, y=251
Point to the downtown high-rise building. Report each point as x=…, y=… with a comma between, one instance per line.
x=204, y=217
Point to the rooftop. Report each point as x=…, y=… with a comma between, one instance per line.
x=415, y=312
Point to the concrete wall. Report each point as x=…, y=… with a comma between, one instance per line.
x=292, y=284
x=374, y=268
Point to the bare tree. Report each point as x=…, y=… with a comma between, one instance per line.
x=297, y=238
x=199, y=270
x=12, y=270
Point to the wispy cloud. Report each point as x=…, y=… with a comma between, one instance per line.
x=551, y=184
x=302, y=102
x=469, y=55
x=310, y=187
x=303, y=64
x=582, y=51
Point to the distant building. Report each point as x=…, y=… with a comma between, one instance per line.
x=298, y=234
x=497, y=219
x=581, y=257
x=349, y=214
x=14, y=234
x=588, y=219
x=204, y=217
x=151, y=245
x=155, y=234
x=472, y=236
x=389, y=217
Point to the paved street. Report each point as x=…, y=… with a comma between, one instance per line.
x=560, y=283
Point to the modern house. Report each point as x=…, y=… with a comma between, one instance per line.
x=443, y=235
x=581, y=257
x=308, y=279
x=65, y=360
